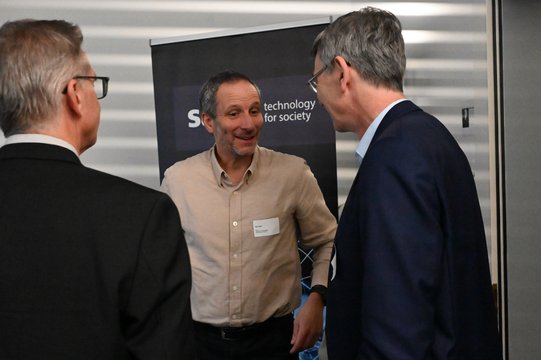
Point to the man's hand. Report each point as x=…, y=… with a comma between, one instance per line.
x=308, y=324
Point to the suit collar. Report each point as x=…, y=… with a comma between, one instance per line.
x=40, y=138
x=37, y=151
x=395, y=112
x=366, y=139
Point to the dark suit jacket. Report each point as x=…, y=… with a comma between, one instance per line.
x=92, y=266
x=412, y=279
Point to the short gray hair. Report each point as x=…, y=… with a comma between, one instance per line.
x=370, y=40
x=37, y=59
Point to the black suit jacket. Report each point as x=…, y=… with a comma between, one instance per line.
x=412, y=279
x=92, y=266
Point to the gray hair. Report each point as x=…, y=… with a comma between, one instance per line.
x=370, y=40
x=37, y=59
x=207, y=95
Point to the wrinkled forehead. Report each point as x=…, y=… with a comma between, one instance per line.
x=237, y=92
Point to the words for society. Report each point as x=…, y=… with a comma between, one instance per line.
x=304, y=115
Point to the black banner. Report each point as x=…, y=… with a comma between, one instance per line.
x=278, y=60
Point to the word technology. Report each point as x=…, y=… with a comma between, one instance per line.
x=307, y=105
x=302, y=110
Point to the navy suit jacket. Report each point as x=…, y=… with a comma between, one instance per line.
x=92, y=266
x=412, y=278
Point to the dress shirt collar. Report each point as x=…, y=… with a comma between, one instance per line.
x=220, y=174
x=40, y=138
x=366, y=139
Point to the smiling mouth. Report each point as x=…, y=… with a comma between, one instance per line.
x=246, y=138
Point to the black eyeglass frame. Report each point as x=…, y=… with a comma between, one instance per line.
x=313, y=80
x=104, y=83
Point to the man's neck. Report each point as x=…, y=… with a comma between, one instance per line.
x=235, y=166
x=62, y=133
x=380, y=99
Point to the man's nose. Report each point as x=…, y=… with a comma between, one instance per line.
x=247, y=121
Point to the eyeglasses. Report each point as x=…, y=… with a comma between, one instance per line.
x=100, y=84
x=313, y=80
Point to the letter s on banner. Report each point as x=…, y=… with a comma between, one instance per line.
x=195, y=121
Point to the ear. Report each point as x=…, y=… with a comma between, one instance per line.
x=208, y=123
x=73, y=98
x=345, y=72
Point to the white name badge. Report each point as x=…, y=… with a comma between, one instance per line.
x=266, y=227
